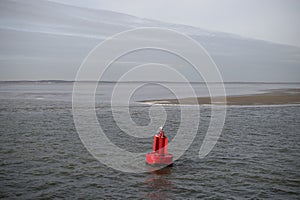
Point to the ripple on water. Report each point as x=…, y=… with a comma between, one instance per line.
x=42, y=156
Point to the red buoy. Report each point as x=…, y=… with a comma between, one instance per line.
x=159, y=155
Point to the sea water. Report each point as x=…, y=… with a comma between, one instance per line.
x=42, y=156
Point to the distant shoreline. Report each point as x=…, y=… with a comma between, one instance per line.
x=273, y=97
x=90, y=81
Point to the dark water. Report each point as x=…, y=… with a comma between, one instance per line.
x=256, y=157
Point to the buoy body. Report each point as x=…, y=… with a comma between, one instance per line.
x=159, y=155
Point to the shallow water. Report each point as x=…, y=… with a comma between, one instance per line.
x=257, y=155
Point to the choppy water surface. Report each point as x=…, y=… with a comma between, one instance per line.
x=257, y=155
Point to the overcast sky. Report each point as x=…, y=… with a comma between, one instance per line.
x=273, y=20
x=44, y=40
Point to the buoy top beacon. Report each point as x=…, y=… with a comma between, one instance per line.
x=159, y=155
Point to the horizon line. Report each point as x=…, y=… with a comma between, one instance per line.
x=91, y=81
